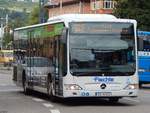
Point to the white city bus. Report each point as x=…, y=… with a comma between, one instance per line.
x=78, y=55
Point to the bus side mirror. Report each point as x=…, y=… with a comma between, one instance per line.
x=63, y=37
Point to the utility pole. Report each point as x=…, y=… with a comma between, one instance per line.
x=2, y=32
x=1, y=36
x=80, y=6
x=6, y=19
x=4, y=27
x=61, y=2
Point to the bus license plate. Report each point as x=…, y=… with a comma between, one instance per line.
x=103, y=93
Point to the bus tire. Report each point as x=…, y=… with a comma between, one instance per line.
x=113, y=99
x=50, y=89
x=25, y=85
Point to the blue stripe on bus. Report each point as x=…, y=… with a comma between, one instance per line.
x=143, y=33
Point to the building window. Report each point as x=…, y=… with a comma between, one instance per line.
x=108, y=4
x=95, y=4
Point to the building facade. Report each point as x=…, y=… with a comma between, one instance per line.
x=57, y=7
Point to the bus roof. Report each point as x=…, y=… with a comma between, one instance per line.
x=83, y=17
x=66, y=18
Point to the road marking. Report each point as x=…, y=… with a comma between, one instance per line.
x=37, y=99
x=137, y=101
x=48, y=105
x=55, y=111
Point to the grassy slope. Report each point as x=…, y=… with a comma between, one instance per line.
x=17, y=6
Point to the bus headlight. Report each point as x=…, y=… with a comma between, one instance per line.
x=132, y=86
x=72, y=87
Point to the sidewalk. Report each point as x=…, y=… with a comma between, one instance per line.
x=6, y=82
x=5, y=68
x=6, y=77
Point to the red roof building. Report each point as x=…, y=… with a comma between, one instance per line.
x=57, y=7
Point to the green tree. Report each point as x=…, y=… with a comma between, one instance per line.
x=35, y=14
x=134, y=9
x=17, y=22
x=7, y=39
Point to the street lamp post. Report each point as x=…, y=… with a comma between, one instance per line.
x=2, y=29
x=1, y=41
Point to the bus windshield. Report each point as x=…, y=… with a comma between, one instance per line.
x=102, y=49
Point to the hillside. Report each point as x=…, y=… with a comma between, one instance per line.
x=18, y=12
x=17, y=6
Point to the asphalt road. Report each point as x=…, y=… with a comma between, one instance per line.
x=12, y=100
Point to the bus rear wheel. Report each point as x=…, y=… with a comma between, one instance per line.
x=113, y=99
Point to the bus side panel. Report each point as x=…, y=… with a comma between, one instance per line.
x=144, y=65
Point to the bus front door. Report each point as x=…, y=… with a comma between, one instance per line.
x=58, y=71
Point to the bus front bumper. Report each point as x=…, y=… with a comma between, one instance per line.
x=103, y=94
